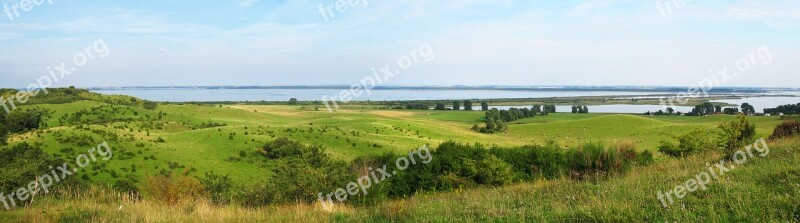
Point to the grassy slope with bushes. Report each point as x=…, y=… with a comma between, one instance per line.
x=189, y=141
x=763, y=189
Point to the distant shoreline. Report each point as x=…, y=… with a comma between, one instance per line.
x=460, y=87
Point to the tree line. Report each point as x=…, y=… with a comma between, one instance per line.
x=580, y=109
x=495, y=120
x=21, y=120
x=789, y=109
x=708, y=109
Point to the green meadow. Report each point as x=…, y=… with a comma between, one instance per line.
x=347, y=134
x=193, y=139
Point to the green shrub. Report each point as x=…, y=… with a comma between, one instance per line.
x=217, y=187
x=736, y=134
x=694, y=142
x=301, y=172
x=22, y=163
x=125, y=186
x=595, y=160
x=493, y=171
x=788, y=128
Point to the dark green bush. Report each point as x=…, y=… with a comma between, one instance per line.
x=23, y=163
x=787, y=128
x=597, y=160
x=125, y=186
x=217, y=187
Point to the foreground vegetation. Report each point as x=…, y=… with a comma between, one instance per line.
x=189, y=162
x=762, y=190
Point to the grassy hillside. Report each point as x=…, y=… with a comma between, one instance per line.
x=190, y=139
x=764, y=189
x=205, y=137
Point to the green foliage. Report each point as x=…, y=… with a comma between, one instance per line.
x=702, y=109
x=457, y=165
x=23, y=120
x=694, y=142
x=300, y=173
x=596, y=160
x=440, y=106
x=495, y=120
x=149, y=105
x=125, y=186
x=580, y=109
x=484, y=106
x=748, y=109
x=736, y=134
x=493, y=171
x=22, y=164
x=3, y=129
x=786, y=129
x=217, y=187
x=456, y=105
x=467, y=105
x=790, y=109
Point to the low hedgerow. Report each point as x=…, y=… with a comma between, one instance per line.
x=300, y=172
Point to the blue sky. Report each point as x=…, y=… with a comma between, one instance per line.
x=476, y=42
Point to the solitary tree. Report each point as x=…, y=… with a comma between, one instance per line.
x=293, y=101
x=439, y=106
x=748, y=109
x=484, y=106
x=574, y=109
x=467, y=105
x=585, y=109
x=456, y=105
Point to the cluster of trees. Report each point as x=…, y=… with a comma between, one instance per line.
x=23, y=163
x=669, y=111
x=789, y=109
x=304, y=171
x=748, y=109
x=704, y=109
x=708, y=109
x=457, y=105
x=496, y=120
x=545, y=109
x=21, y=120
x=580, y=109
x=731, y=111
x=417, y=106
